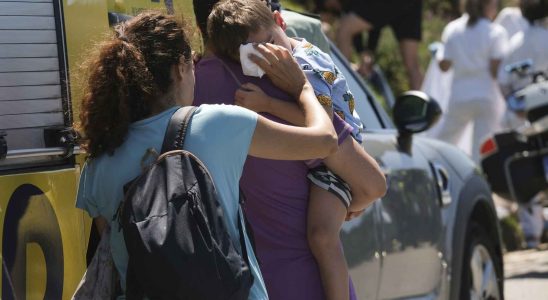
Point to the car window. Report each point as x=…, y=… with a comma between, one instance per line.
x=363, y=107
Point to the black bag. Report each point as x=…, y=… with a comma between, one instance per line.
x=174, y=229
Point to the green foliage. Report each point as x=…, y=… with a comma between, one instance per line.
x=436, y=14
x=438, y=7
x=388, y=53
x=512, y=236
x=294, y=5
x=389, y=58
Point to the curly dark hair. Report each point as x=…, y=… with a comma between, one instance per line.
x=129, y=74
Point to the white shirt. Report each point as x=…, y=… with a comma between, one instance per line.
x=470, y=50
x=531, y=44
x=511, y=19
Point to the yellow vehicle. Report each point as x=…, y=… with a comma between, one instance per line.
x=44, y=237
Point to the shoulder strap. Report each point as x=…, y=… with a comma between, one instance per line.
x=174, y=137
x=248, y=230
x=243, y=220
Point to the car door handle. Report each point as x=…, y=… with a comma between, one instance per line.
x=442, y=182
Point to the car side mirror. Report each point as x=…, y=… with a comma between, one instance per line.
x=414, y=112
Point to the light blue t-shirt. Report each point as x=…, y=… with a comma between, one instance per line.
x=219, y=135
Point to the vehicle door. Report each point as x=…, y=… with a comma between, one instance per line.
x=43, y=236
x=402, y=233
x=44, y=241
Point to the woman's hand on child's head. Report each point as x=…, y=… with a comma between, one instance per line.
x=280, y=66
x=252, y=97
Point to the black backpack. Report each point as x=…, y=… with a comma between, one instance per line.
x=174, y=229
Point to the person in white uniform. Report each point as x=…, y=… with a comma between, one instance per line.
x=532, y=44
x=511, y=19
x=473, y=48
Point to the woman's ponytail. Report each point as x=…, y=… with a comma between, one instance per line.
x=119, y=92
x=128, y=74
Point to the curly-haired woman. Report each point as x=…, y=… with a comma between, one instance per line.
x=138, y=79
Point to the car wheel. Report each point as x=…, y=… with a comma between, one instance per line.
x=481, y=275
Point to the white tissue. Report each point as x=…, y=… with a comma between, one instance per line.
x=250, y=68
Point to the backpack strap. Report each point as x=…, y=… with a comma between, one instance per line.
x=248, y=229
x=242, y=220
x=174, y=137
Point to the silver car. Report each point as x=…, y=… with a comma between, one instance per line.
x=435, y=234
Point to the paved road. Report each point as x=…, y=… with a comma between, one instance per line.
x=526, y=274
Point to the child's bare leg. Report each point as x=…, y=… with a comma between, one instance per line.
x=326, y=214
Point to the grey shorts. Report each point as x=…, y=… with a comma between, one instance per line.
x=327, y=180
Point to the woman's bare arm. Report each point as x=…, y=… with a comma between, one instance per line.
x=252, y=97
x=317, y=139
